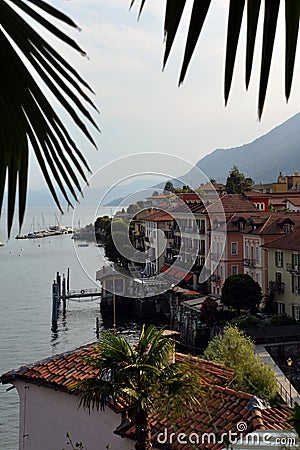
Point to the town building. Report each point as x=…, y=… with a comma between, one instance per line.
x=284, y=273
x=48, y=410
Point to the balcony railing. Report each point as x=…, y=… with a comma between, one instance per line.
x=277, y=287
x=294, y=268
x=249, y=262
x=215, y=278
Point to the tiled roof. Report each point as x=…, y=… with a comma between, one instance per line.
x=289, y=241
x=222, y=410
x=61, y=371
x=57, y=372
x=221, y=407
x=232, y=203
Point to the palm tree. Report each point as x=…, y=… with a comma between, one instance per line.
x=143, y=377
x=31, y=72
x=173, y=15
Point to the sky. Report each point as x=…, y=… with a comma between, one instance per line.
x=142, y=109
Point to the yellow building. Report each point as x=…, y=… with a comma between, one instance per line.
x=286, y=183
x=284, y=274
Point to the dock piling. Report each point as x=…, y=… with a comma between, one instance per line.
x=55, y=302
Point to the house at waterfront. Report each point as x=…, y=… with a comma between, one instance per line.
x=48, y=410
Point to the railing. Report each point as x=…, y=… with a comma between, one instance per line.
x=249, y=262
x=215, y=278
x=285, y=395
x=291, y=267
x=276, y=286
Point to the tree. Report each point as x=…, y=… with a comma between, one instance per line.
x=199, y=12
x=169, y=187
x=209, y=310
x=233, y=349
x=29, y=117
x=237, y=183
x=143, y=377
x=133, y=208
x=241, y=292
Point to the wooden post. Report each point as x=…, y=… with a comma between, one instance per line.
x=68, y=280
x=97, y=327
x=54, y=302
x=64, y=293
x=58, y=281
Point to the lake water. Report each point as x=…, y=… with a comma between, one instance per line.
x=27, y=269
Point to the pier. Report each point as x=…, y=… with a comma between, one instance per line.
x=61, y=293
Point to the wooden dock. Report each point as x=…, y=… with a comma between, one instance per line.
x=61, y=293
x=82, y=293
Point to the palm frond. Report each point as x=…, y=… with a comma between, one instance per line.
x=29, y=116
x=173, y=18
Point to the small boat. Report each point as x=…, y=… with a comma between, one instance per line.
x=1, y=244
x=83, y=245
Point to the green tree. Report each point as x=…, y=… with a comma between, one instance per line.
x=169, y=187
x=133, y=208
x=209, y=311
x=233, y=349
x=237, y=183
x=241, y=292
x=29, y=117
x=143, y=376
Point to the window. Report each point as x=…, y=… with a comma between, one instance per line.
x=280, y=308
x=295, y=261
x=287, y=228
x=234, y=248
x=234, y=270
x=278, y=277
x=295, y=284
x=278, y=259
x=295, y=312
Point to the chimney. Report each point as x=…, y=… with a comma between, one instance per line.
x=172, y=334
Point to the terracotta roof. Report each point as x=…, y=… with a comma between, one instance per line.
x=222, y=410
x=232, y=203
x=62, y=370
x=57, y=372
x=157, y=216
x=289, y=241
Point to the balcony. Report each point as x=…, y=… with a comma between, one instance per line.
x=293, y=268
x=215, y=278
x=277, y=287
x=248, y=262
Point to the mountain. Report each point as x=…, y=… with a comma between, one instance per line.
x=263, y=159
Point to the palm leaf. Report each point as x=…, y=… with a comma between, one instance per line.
x=199, y=12
x=236, y=9
x=253, y=8
x=29, y=116
x=270, y=22
x=173, y=17
x=292, y=14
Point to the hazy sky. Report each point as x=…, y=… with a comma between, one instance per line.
x=142, y=109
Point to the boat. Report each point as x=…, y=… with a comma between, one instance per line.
x=83, y=245
x=1, y=244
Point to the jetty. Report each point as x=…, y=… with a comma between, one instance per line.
x=61, y=293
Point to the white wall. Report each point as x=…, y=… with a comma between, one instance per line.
x=46, y=415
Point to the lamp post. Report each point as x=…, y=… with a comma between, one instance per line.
x=289, y=363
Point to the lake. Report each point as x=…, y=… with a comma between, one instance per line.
x=28, y=268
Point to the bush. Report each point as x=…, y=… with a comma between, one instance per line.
x=282, y=319
x=235, y=350
x=246, y=321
